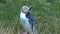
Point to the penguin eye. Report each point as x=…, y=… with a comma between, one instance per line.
x=25, y=8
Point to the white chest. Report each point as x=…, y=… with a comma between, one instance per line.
x=25, y=22
x=23, y=18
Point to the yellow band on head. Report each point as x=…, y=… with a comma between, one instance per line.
x=25, y=10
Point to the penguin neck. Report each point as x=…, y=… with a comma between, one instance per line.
x=23, y=13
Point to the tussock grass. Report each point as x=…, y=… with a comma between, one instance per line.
x=46, y=12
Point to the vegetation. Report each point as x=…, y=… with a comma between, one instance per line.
x=46, y=12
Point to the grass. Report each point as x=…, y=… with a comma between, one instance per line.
x=46, y=12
